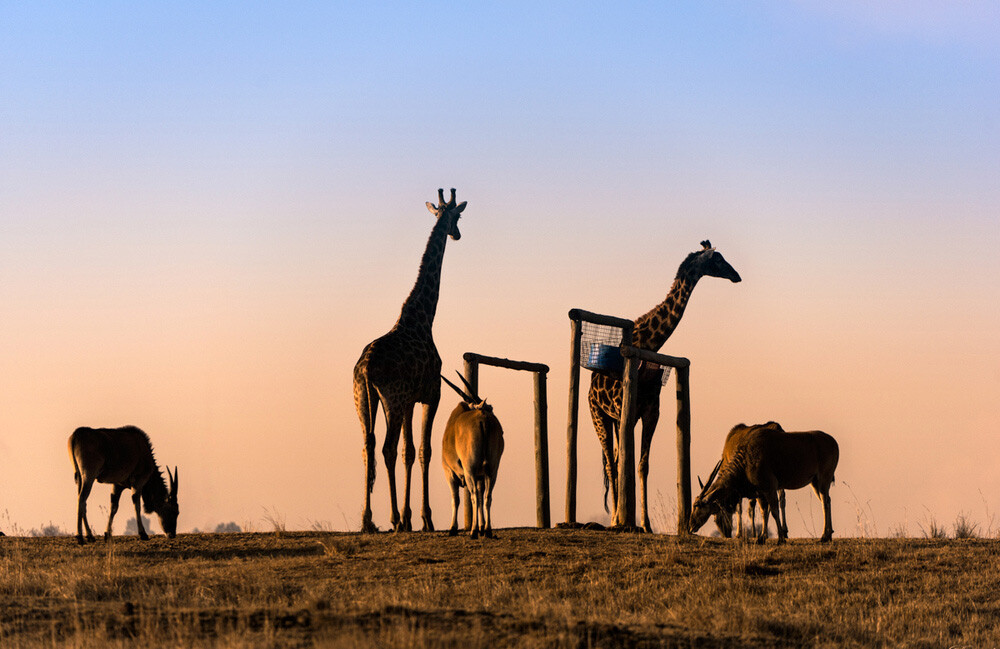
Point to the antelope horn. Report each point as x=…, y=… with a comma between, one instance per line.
x=711, y=477
x=440, y=198
x=466, y=398
x=175, y=479
x=170, y=478
x=468, y=386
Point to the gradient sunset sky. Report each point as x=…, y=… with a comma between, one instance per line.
x=208, y=211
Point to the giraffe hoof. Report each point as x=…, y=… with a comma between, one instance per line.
x=453, y=531
x=428, y=523
x=368, y=527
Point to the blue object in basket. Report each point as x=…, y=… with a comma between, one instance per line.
x=605, y=358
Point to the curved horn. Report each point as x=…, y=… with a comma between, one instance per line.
x=711, y=478
x=469, y=387
x=175, y=480
x=466, y=398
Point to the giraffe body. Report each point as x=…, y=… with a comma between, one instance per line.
x=650, y=332
x=403, y=368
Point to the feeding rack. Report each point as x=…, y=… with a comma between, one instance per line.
x=594, y=337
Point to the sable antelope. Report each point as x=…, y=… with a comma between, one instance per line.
x=765, y=460
x=471, y=450
x=122, y=457
x=724, y=520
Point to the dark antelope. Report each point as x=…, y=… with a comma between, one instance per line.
x=764, y=461
x=122, y=457
x=724, y=519
x=471, y=450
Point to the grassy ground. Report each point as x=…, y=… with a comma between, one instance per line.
x=557, y=588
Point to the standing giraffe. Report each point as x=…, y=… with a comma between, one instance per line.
x=403, y=368
x=649, y=332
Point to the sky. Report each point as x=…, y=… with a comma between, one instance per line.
x=206, y=213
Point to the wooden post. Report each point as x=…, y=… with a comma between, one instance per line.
x=472, y=376
x=625, y=511
x=683, y=449
x=573, y=420
x=542, y=509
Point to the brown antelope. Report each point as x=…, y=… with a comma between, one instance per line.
x=122, y=457
x=471, y=450
x=763, y=461
x=724, y=519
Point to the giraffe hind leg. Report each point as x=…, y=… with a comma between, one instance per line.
x=366, y=402
x=604, y=427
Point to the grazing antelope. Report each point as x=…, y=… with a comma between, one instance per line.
x=724, y=519
x=471, y=450
x=763, y=461
x=122, y=457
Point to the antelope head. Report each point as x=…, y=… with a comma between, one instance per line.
x=450, y=209
x=707, y=503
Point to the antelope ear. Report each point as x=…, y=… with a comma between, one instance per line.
x=430, y=208
x=461, y=206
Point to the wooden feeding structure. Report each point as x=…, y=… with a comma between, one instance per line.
x=540, y=372
x=603, y=343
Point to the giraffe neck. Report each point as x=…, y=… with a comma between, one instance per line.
x=419, y=308
x=652, y=329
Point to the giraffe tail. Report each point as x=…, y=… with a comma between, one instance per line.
x=607, y=484
x=366, y=402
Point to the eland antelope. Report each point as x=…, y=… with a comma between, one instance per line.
x=724, y=519
x=122, y=457
x=471, y=450
x=765, y=460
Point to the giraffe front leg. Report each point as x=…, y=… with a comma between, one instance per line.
x=649, y=420
x=430, y=409
x=394, y=423
x=409, y=454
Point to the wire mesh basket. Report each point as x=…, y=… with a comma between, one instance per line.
x=600, y=348
x=600, y=351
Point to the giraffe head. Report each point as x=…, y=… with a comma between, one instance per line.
x=448, y=210
x=708, y=261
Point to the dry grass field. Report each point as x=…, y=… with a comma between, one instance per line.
x=532, y=588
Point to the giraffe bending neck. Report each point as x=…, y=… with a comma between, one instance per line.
x=420, y=306
x=652, y=329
